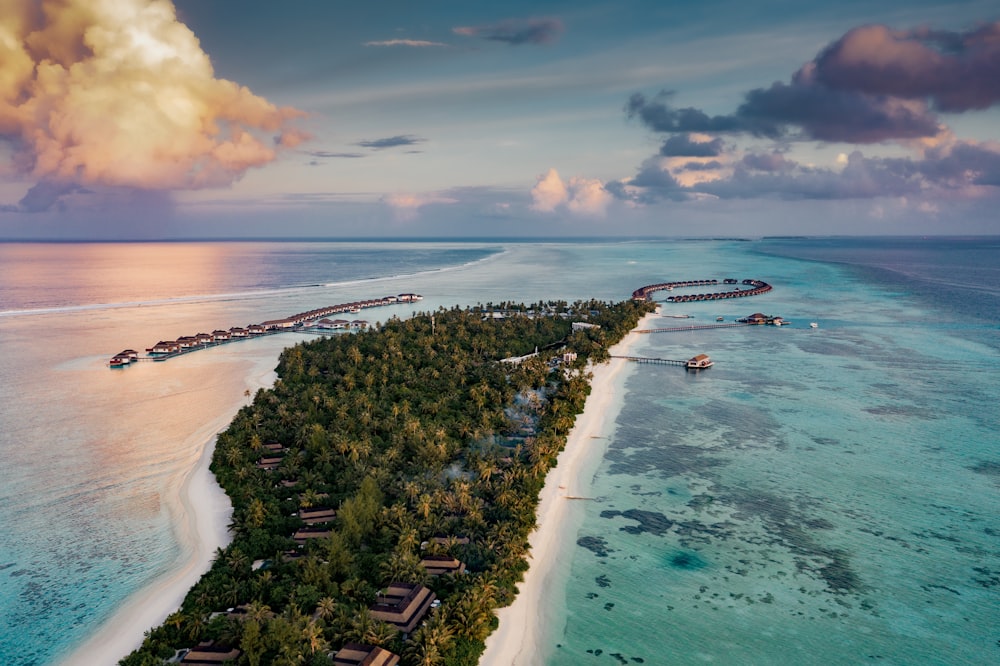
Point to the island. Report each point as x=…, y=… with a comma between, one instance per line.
x=385, y=488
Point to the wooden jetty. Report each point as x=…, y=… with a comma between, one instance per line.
x=700, y=327
x=654, y=361
x=301, y=322
x=755, y=287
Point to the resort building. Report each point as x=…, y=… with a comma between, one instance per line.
x=582, y=326
x=269, y=462
x=209, y=653
x=317, y=515
x=309, y=533
x=356, y=654
x=278, y=324
x=403, y=605
x=440, y=565
x=165, y=347
x=699, y=362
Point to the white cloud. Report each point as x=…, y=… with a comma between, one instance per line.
x=549, y=192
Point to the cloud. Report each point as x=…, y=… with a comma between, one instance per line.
x=120, y=94
x=516, y=31
x=415, y=43
x=326, y=154
x=406, y=205
x=581, y=196
x=686, y=145
x=549, y=192
x=871, y=85
x=391, y=142
x=956, y=71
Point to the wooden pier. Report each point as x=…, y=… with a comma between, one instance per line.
x=654, y=361
x=700, y=327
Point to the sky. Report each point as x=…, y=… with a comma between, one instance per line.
x=151, y=119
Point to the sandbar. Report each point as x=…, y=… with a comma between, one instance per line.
x=202, y=512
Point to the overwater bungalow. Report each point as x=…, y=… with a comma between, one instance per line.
x=358, y=654
x=164, y=347
x=120, y=361
x=220, y=336
x=699, y=362
x=403, y=605
x=256, y=329
x=278, y=324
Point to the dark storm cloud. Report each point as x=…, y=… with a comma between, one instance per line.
x=659, y=115
x=766, y=162
x=966, y=163
x=701, y=166
x=391, y=142
x=869, y=86
x=861, y=178
x=682, y=146
x=516, y=31
x=43, y=196
x=826, y=114
x=955, y=71
x=817, y=112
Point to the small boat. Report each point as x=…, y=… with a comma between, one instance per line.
x=813, y=324
x=699, y=362
x=720, y=319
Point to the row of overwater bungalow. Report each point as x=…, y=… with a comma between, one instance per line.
x=756, y=287
x=317, y=317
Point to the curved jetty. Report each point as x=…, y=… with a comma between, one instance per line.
x=756, y=287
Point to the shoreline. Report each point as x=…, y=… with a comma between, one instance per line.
x=202, y=526
x=524, y=623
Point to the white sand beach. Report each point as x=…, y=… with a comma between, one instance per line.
x=201, y=512
x=516, y=642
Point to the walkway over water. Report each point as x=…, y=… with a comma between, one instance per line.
x=756, y=287
x=655, y=361
x=702, y=327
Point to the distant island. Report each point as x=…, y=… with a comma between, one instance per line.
x=384, y=489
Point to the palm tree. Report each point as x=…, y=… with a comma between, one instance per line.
x=312, y=634
x=325, y=608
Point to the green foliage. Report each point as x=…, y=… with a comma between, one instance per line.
x=409, y=432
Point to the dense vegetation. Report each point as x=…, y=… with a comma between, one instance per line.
x=411, y=431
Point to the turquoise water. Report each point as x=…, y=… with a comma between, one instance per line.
x=820, y=495
x=824, y=495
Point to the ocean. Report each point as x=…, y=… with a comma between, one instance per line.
x=821, y=494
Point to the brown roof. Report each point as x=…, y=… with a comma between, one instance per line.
x=438, y=565
x=356, y=654
x=208, y=653
x=403, y=605
x=306, y=533
x=318, y=514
